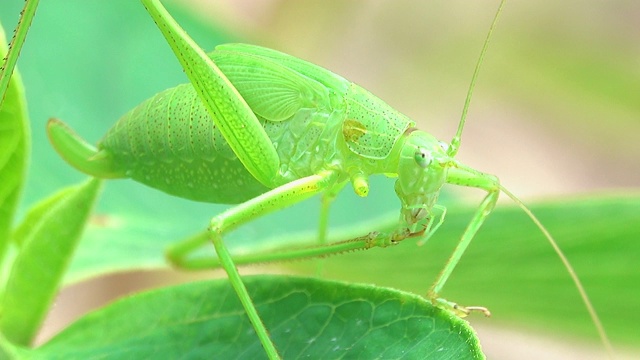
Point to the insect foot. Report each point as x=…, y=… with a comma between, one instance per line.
x=459, y=310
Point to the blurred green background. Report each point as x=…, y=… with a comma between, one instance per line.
x=556, y=110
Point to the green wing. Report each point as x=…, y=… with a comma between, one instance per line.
x=277, y=85
x=304, y=68
x=273, y=84
x=371, y=127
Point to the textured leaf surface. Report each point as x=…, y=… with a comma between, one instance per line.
x=49, y=236
x=306, y=318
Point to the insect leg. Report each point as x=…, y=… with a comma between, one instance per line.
x=326, y=201
x=272, y=200
x=80, y=154
x=179, y=253
x=306, y=246
x=230, y=112
x=466, y=177
x=19, y=36
x=323, y=225
x=433, y=226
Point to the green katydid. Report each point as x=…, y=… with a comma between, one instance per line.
x=285, y=130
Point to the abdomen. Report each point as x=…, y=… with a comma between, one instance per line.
x=170, y=143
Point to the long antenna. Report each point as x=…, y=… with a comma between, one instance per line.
x=455, y=142
x=453, y=150
x=572, y=272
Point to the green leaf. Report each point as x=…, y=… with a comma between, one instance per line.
x=511, y=269
x=49, y=236
x=9, y=351
x=509, y=266
x=23, y=233
x=307, y=318
x=14, y=151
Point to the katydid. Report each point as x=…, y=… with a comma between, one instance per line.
x=264, y=130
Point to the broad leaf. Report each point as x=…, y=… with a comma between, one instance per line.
x=306, y=318
x=509, y=267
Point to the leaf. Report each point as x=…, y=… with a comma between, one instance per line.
x=509, y=266
x=14, y=150
x=307, y=318
x=9, y=351
x=49, y=235
x=511, y=269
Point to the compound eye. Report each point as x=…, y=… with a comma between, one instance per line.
x=423, y=158
x=444, y=146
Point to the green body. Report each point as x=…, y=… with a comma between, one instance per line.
x=314, y=119
x=267, y=130
x=320, y=121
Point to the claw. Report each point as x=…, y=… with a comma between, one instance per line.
x=482, y=309
x=461, y=311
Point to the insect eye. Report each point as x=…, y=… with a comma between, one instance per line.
x=444, y=146
x=423, y=158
